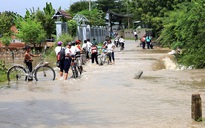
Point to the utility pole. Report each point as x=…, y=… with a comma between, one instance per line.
x=128, y=22
x=89, y=5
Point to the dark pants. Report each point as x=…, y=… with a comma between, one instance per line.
x=122, y=45
x=67, y=65
x=61, y=65
x=143, y=45
x=136, y=37
x=113, y=56
x=148, y=45
x=29, y=65
x=94, y=56
x=87, y=54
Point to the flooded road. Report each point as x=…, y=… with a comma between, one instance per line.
x=108, y=96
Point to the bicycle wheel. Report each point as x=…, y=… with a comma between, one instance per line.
x=100, y=59
x=108, y=58
x=16, y=74
x=80, y=69
x=44, y=73
x=75, y=72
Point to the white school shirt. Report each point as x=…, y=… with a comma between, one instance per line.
x=68, y=51
x=74, y=50
x=121, y=40
x=57, y=49
x=89, y=44
x=84, y=46
x=110, y=47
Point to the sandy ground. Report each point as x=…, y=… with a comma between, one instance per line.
x=108, y=96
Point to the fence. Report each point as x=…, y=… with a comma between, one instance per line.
x=87, y=32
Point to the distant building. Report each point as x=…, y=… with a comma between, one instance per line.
x=15, y=43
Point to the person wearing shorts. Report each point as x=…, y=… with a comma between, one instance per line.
x=61, y=65
x=67, y=60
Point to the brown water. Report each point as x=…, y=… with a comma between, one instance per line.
x=107, y=96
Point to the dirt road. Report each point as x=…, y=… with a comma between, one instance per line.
x=108, y=96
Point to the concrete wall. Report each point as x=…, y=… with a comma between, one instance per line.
x=128, y=33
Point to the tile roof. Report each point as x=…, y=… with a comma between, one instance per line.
x=61, y=13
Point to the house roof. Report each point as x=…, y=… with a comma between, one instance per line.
x=61, y=13
x=14, y=45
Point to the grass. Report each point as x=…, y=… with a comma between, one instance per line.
x=3, y=77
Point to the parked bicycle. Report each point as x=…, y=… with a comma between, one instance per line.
x=41, y=72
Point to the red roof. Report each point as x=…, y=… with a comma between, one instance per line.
x=16, y=45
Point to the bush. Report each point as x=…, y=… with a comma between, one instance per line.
x=65, y=38
x=3, y=70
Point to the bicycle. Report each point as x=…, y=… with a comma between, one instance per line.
x=41, y=72
x=79, y=61
x=104, y=57
x=74, y=68
x=108, y=56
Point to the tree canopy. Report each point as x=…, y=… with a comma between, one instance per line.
x=184, y=28
x=6, y=21
x=31, y=32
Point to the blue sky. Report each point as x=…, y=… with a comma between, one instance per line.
x=20, y=6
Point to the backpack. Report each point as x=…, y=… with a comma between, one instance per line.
x=61, y=54
x=142, y=39
x=94, y=49
x=148, y=38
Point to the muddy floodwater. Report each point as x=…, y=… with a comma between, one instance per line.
x=108, y=96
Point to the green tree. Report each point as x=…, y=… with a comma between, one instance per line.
x=72, y=27
x=184, y=28
x=44, y=17
x=31, y=32
x=95, y=17
x=6, y=40
x=49, y=24
x=79, y=6
x=6, y=21
x=106, y=5
x=152, y=12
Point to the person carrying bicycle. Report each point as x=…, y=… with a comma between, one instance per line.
x=110, y=51
x=79, y=55
x=70, y=52
x=28, y=58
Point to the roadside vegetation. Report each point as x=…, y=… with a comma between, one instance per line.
x=3, y=70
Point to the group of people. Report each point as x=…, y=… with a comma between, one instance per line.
x=119, y=41
x=90, y=49
x=146, y=39
x=67, y=54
